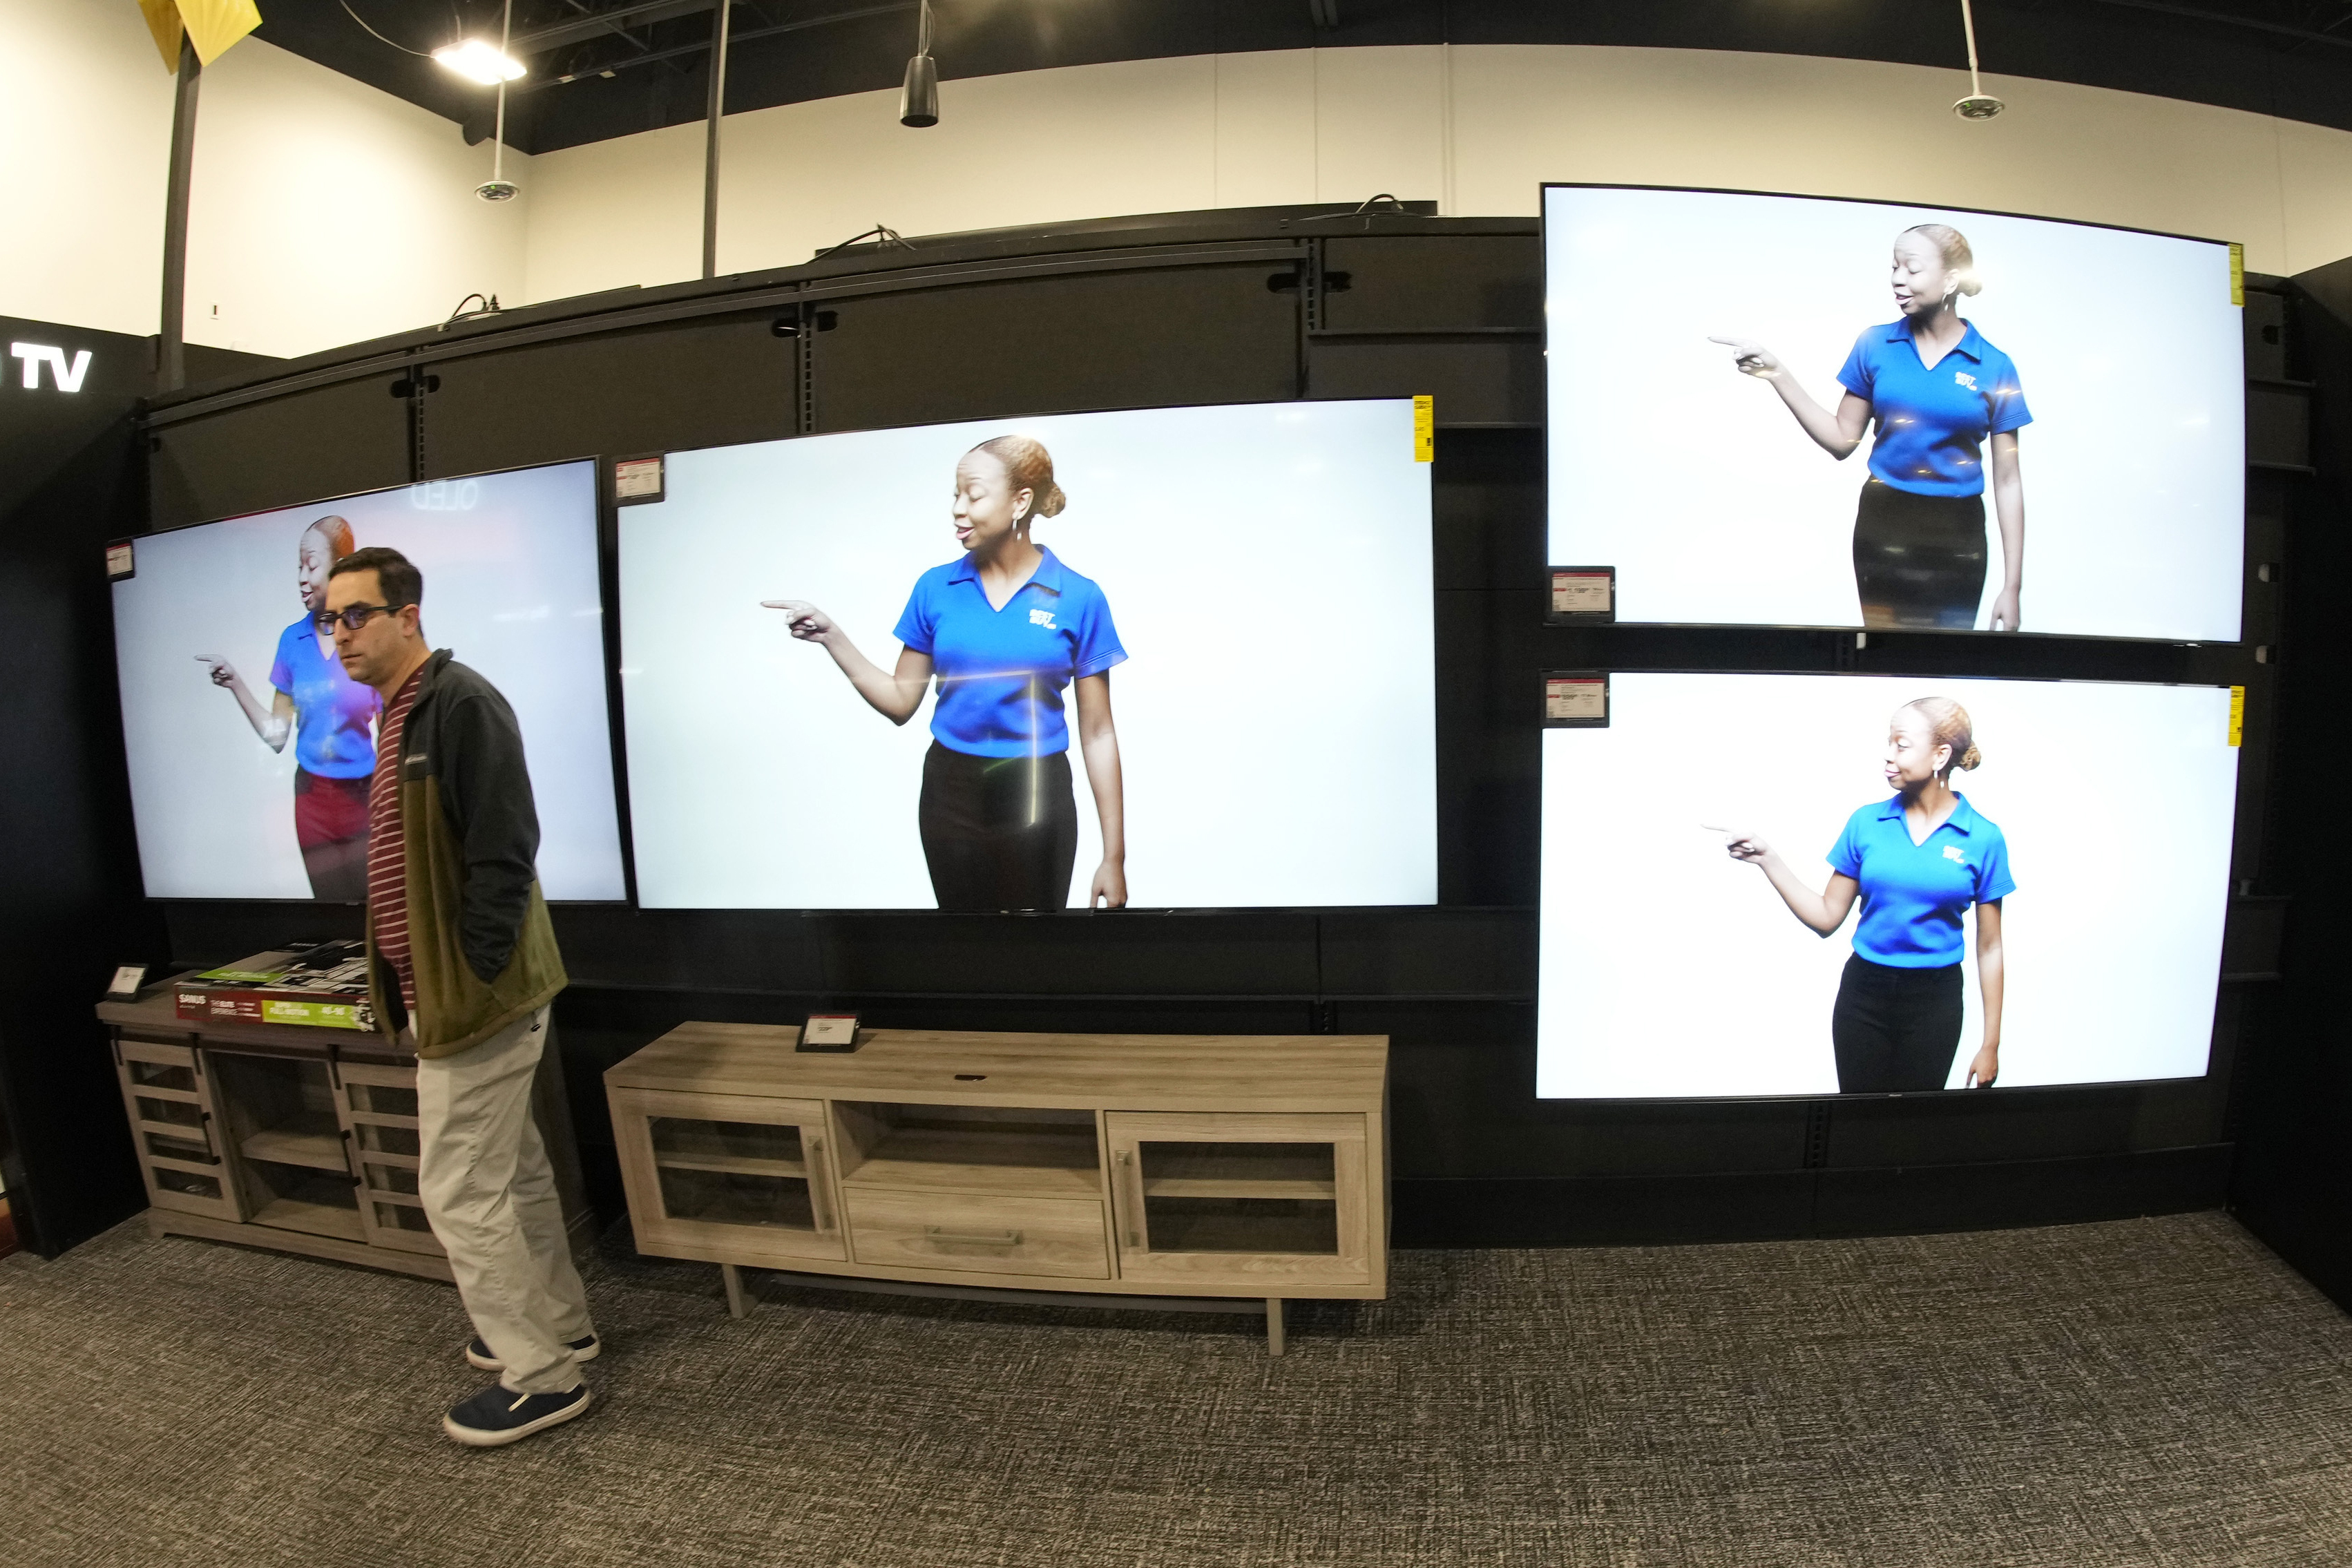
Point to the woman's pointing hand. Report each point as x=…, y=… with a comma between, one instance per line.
x=1753, y=359
x=804, y=620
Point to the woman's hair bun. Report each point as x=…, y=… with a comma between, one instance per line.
x=1949, y=725
x=337, y=535
x=1958, y=259
x=1028, y=467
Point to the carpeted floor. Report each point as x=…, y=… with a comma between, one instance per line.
x=2152, y=1393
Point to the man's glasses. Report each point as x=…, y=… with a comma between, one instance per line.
x=353, y=616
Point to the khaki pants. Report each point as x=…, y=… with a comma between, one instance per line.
x=489, y=1194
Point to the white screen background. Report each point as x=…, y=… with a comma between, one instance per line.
x=1669, y=969
x=1695, y=482
x=510, y=587
x=1267, y=567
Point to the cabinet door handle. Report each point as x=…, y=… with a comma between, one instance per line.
x=1132, y=1196
x=822, y=1209
x=944, y=1238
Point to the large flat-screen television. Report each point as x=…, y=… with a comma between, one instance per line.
x=924, y=667
x=250, y=748
x=1694, y=843
x=1799, y=411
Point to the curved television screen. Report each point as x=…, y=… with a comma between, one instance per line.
x=1673, y=966
x=1947, y=420
x=250, y=750
x=1239, y=596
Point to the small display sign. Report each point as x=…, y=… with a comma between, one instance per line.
x=829, y=1032
x=121, y=562
x=2237, y=715
x=1424, y=429
x=1577, y=698
x=638, y=480
x=1585, y=593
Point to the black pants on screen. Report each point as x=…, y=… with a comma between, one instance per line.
x=1895, y=1030
x=1919, y=561
x=999, y=832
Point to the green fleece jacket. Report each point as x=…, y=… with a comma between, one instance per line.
x=481, y=950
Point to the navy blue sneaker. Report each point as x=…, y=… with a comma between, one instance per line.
x=499, y=1415
x=478, y=1354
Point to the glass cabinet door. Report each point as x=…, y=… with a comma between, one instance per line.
x=1247, y=1199
x=378, y=1108
x=727, y=1178
x=173, y=1122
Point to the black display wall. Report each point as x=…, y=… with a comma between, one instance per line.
x=70, y=479
x=2292, y=1186
x=1239, y=307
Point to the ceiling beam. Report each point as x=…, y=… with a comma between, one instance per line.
x=2226, y=19
x=599, y=23
x=542, y=83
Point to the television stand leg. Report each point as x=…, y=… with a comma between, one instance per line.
x=1274, y=1325
x=733, y=1280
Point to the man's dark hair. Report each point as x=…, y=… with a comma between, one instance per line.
x=401, y=583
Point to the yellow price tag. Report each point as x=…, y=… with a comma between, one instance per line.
x=2238, y=275
x=1424, y=429
x=2237, y=714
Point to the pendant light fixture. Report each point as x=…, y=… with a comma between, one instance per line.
x=919, y=100
x=497, y=188
x=1979, y=104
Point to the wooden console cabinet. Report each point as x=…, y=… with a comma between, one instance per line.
x=1199, y=1165
x=298, y=1138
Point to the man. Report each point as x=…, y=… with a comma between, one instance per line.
x=463, y=965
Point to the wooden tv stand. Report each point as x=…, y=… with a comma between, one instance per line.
x=1245, y=1166
x=298, y=1138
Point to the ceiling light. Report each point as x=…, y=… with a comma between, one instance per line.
x=919, y=100
x=478, y=61
x=1979, y=104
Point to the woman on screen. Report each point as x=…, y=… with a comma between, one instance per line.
x=1919, y=860
x=1006, y=628
x=331, y=717
x=1938, y=390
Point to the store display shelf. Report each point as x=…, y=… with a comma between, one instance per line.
x=311, y=1218
x=319, y=1147
x=1238, y=1187
x=730, y=1164
x=1023, y=1164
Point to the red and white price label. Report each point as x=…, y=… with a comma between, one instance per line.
x=1580, y=593
x=1576, y=697
x=638, y=478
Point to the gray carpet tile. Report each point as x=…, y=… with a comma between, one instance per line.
x=2153, y=1392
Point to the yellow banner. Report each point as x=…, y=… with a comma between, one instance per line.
x=164, y=22
x=1424, y=429
x=2238, y=275
x=2237, y=715
x=212, y=26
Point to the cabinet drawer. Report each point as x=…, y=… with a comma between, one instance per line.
x=961, y=1233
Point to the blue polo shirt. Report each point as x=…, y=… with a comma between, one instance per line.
x=1933, y=419
x=1913, y=895
x=332, y=712
x=1002, y=672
